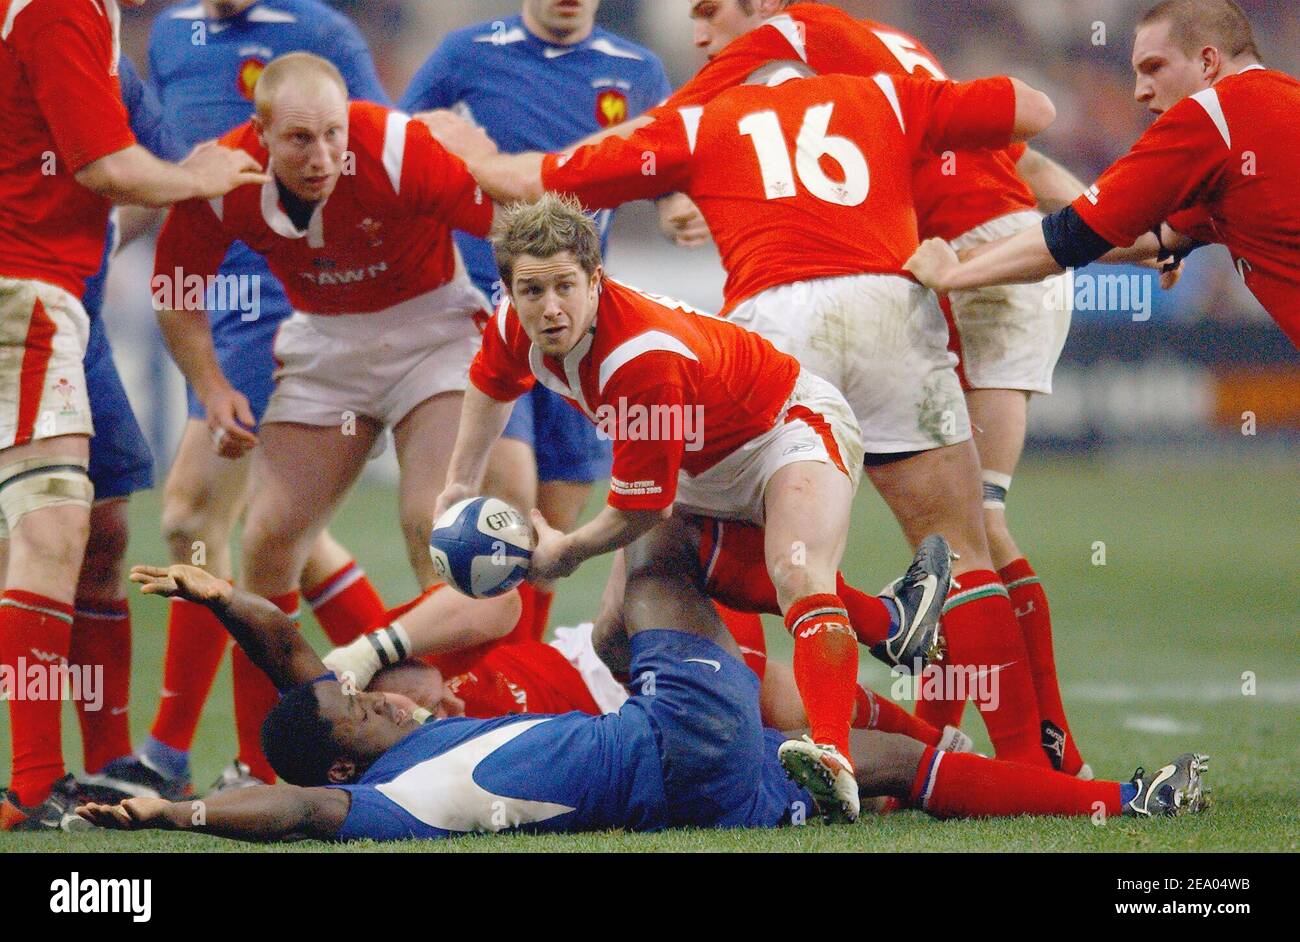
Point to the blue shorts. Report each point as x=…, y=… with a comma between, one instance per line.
x=244, y=347
x=563, y=439
x=120, y=460
x=720, y=767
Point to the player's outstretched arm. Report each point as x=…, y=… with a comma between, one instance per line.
x=1022, y=258
x=133, y=175
x=482, y=420
x=558, y=554
x=259, y=813
x=444, y=623
x=267, y=635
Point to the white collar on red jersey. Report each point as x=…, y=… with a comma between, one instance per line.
x=572, y=361
x=1252, y=68
x=279, y=220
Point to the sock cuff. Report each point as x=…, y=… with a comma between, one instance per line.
x=35, y=602
x=813, y=607
x=973, y=586
x=1017, y=572
x=287, y=603
x=102, y=610
x=927, y=771
x=868, y=710
x=333, y=584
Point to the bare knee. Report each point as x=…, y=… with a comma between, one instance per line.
x=885, y=763
x=195, y=522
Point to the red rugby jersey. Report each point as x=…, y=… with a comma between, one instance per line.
x=1232, y=154
x=954, y=194
x=672, y=388
x=810, y=178
x=61, y=110
x=523, y=677
x=382, y=237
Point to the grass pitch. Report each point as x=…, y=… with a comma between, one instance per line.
x=1185, y=639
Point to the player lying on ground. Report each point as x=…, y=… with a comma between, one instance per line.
x=687, y=749
x=457, y=656
x=703, y=415
x=1217, y=166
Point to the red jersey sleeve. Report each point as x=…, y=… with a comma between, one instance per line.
x=644, y=472
x=500, y=369
x=941, y=116
x=1171, y=167
x=66, y=52
x=192, y=240
x=654, y=160
x=1195, y=223
x=437, y=182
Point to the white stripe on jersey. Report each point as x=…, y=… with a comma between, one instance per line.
x=443, y=794
x=886, y=85
x=1209, y=100
x=395, y=147
x=691, y=118
x=641, y=344
x=17, y=7
x=792, y=32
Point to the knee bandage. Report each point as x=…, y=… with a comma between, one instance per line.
x=996, y=485
x=36, y=483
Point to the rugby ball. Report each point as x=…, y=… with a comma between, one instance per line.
x=481, y=547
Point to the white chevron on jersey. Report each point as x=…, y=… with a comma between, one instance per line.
x=443, y=794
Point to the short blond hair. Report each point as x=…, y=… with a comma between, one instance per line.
x=544, y=229
x=293, y=68
x=1195, y=24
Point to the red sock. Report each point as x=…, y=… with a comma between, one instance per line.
x=101, y=640
x=346, y=604
x=872, y=711
x=825, y=666
x=964, y=785
x=867, y=613
x=255, y=697
x=747, y=629
x=1029, y=602
x=195, y=643
x=35, y=631
x=984, y=637
x=541, y=612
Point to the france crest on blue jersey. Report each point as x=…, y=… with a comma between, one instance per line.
x=530, y=95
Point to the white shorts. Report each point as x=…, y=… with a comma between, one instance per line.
x=1011, y=335
x=43, y=336
x=575, y=644
x=379, y=365
x=883, y=342
x=815, y=425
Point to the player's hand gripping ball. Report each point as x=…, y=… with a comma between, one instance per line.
x=481, y=547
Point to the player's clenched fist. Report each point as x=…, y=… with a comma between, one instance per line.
x=467, y=141
x=180, y=581
x=217, y=170
x=133, y=814
x=932, y=263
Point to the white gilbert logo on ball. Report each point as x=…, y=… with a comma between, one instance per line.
x=481, y=547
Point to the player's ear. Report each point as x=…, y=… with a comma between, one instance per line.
x=1211, y=63
x=342, y=771
x=259, y=126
